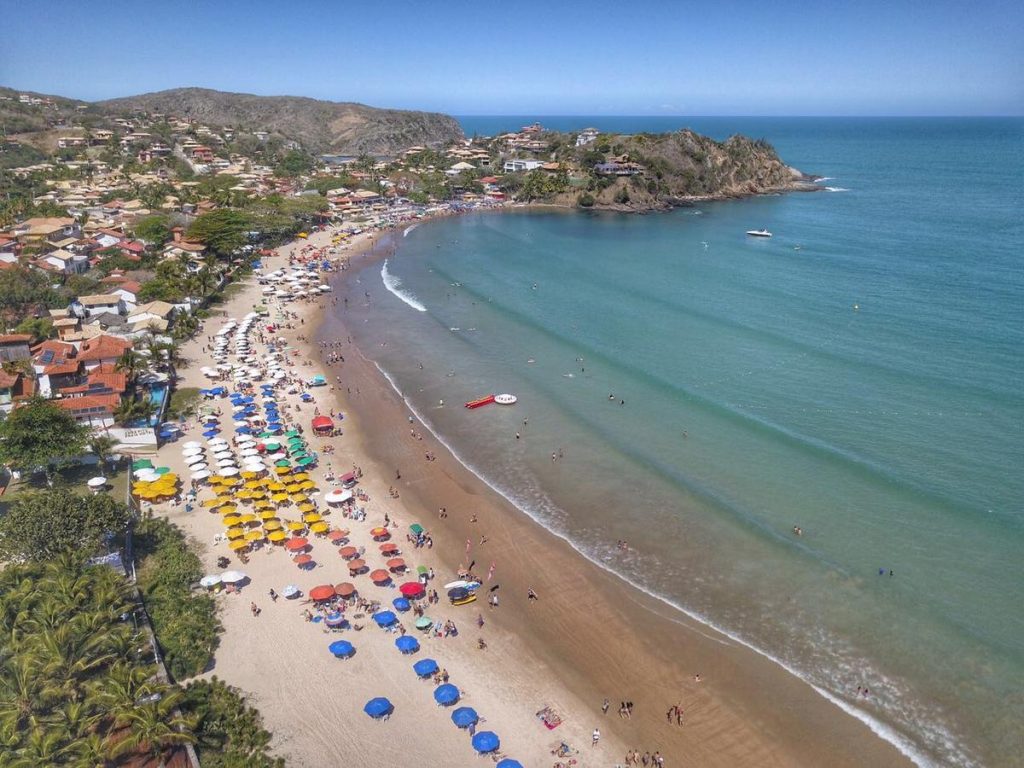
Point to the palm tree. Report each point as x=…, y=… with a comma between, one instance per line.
x=153, y=728
x=130, y=362
x=90, y=750
x=103, y=446
x=129, y=410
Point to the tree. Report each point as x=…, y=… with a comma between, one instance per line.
x=23, y=292
x=222, y=230
x=103, y=446
x=44, y=524
x=40, y=433
x=41, y=328
x=155, y=230
x=130, y=410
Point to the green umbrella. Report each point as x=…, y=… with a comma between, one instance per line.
x=162, y=470
x=424, y=622
x=142, y=464
x=293, y=433
x=305, y=462
x=296, y=439
x=416, y=528
x=296, y=447
x=273, y=447
x=265, y=434
x=299, y=455
x=421, y=569
x=282, y=463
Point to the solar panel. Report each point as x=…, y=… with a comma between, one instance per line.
x=47, y=357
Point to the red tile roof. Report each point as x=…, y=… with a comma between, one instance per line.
x=88, y=402
x=15, y=338
x=103, y=347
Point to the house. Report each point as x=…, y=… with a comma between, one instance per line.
x=128, y=290
x=93, y=410
x=144, y=315
x=586, y=136
x=517, y=165
x=618, y=169
x=98, y=303
x=201, y=154
x=102, y=349
x=56, y=365
x=102, y=135
x=38, y=229
x=64, y=262
x=8, y=249
x=15, y=346
x=66, y=142
x=14, y=386
x=66, y=327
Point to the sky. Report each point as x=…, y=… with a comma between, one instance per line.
x=642, y=57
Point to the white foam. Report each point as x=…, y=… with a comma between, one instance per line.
x=394, y=284
x=837, y=189
x=880, y=729
x=407, y=230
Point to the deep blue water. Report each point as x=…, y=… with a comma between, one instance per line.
x=859, y=375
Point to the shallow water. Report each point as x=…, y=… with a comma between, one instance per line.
x=859, y=375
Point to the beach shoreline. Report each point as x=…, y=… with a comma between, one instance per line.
x=754, y=713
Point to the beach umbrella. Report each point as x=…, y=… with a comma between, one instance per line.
x=97, y=482
x=396, y=564
x=380, y=533
x=191, y=461
x=190, y=444
x=416, y=529
x=378, y=707
x=384, y=618
x=142, y=464
x=425, y=668
x=306, y=461
x=202, y=474
x=322, y=592
x=411, y=589
x=401, y=604
x=446, y=694
x=335, y=620
x=210, y=581
x=424, y=622
x=229, y=471
x=233, y=577
x=345, y=589
x=291, y=591
x=296, y=527
x=407, y=644
x=272, y=525
x=463, y=717
x=486, y=741
x=301, y=560
x=297, y=544
x=348, y=552
x=268, y=514
x=210, y=433
x=380, y=576
x=217, y=441
x=253, y=536
x=508, y=762
x=389, y=548
x=231, y=519
x=319, y=527
x=356, y=566
x=276, y=536
x=342, y=649
x=337, y=535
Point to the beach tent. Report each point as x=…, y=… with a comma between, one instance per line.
x=486, y=741
x=407, y=644
x=446, y=694
x=342, y=649
x=380, y=707
x=463, y=717
x=425, y=668
x=322, y=424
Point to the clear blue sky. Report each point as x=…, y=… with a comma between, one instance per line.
x=747, y=57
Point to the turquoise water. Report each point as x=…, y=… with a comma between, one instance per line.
x=858, y=375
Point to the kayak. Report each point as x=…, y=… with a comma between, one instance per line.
x=481, y=401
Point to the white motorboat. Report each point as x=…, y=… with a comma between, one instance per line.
x=759, y=233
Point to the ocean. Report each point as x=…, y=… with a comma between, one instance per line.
x=858, y=375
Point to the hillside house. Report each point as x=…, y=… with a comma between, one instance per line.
x=64, y=262
x=56, y=365
x=586, y=136
x=39, y=229
x=86, y=306
x=519, y=165
x=14, y=347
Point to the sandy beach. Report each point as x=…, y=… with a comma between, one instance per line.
x=589, y=636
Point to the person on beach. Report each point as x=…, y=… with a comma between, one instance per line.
x=604, y=707
x=531, y=595
x=595, y=737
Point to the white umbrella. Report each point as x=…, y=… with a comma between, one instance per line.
x=97, y=482
x=227, y=462
x=250, y=452
x=233, y=577
x=223, y=453
x=191, y=444
x=210, y=581
x=192, y=461
x=210, y=374
x=229, y=471
x=337, y=496
x=197, y=468
x=190, y=452
x=217, y=441
x=291, y=591
x=201, y=474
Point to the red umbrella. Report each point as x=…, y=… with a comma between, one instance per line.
x=348, y=552
x=337, y=535
x=303, y=559
x=411, y=589
x=389, y=547
x=323, y=592
x=345, y=589
x=380, y=533
x=294, y=545
x=355, y=566
x=380, y=576
x=396, y=564
x=322, y=423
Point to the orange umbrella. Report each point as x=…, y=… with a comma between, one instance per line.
x=337, y=535
x=380, y=576
x=348, y=552
x=303, y=559
x=345, y=589
x=389, y=547
x=354, y=566
x=380, y=533
x=294, y=545
x=396, y=564
x=323, y=592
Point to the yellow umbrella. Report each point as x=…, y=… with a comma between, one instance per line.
x=238, y=544
x=235, y=533
x=249, y=475
x=319, y=527
x=254, y=536
x=307, y=507
x=264, y=505
x=296, y=526
x=270, y=514
x=312, y=517
x=299, y=477
x=280, y=498
x=275, y=486
x=230, y=520
x=231, y=482
x=277, y=536
x=227, y=509
x=216, y=480
x=170, y=477
x=272, y=525
x=257, y=495
x=299, y=498
x=293, y=488
x=252, y=483
x=209, y=503
x=250, y=518
x=307, y=485
x=282, y=470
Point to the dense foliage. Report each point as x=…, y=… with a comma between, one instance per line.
x=76, y=688
x=40, y=433
x=185, y=623
x=229, y=733
x=43, y=524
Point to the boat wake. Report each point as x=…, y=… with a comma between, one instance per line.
x=394, y=284
x=407, y=230
x=836, y=189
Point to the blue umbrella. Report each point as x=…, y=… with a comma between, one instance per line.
x=401, y=604
x=486, y=741
x=384, y=618
x=407, y=644
x=425, y=667
x=243, y=430
x=508, y=762
x=446, y=694
x=246, y=400
x=211, y=433
x=464, y=717
x=341, y=648
x=378, y=707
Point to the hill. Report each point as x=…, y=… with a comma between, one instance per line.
x=320, y=126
